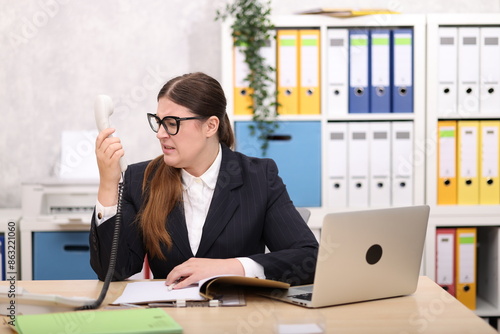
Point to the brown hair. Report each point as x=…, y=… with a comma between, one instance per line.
x=162, y=184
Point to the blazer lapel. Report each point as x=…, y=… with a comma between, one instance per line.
x=178, y=231
x=223, y=204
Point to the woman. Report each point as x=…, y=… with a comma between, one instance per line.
x=200, y=209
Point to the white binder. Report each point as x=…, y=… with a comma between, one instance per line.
x=468, y=71
x=489, y=70
x=337, y=60
x=402, y=163
x=337, y=164
x=379, y=137
x=357, y=191
x=447, y=71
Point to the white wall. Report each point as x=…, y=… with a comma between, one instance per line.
x=57, y=55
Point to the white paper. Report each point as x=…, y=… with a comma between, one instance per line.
x=78, y=159
x=156, y=291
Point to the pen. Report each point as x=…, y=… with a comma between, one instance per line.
x=171, y=286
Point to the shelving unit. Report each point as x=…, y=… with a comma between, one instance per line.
x=323, y=23
x=424, y=118
x=479, y=216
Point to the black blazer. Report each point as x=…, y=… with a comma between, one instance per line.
x=250, y=209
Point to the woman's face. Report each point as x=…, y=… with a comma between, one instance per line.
x=186, y=148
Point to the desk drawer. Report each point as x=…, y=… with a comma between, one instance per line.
x=61, y=255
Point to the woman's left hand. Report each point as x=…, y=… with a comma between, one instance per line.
x=196, y=269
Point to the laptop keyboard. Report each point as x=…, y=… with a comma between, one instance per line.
x=303, y=296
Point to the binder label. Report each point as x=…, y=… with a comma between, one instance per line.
x=445, y=247
x=447, y=151
x=309, y=69
x=468, y=152
x=288, y=60
x=467, y=258
x=403, y=72
x=359, y=56
x=380, y=53
x=242, y=70
x=489, y=155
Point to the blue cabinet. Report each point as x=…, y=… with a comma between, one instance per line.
x=296, y=149
x=61, y=256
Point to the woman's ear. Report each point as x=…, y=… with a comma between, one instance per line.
x=212, y=125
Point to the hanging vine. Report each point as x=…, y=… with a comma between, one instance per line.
x=251, y=27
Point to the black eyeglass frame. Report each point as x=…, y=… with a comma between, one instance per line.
x=175, y=118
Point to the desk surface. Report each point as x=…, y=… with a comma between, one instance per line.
x=429, y=310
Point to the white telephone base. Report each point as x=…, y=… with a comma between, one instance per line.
x=25, y=302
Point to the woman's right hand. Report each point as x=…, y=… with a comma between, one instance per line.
x=108, y=151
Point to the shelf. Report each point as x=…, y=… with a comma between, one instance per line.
x=466, y=211
x=317, y=21
x=485, y=309
x=281, y=118
x=468, y=117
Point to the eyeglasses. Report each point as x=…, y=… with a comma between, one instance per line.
x=171, y=124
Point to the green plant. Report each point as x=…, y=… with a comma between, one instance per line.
x=251, y=27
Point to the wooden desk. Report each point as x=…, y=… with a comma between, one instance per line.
x=429, y=310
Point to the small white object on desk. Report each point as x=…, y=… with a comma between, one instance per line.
x=299, y=329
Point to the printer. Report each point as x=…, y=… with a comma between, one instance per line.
x=60, y=201
x=55, y=224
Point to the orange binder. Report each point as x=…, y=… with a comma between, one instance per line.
x=309, y=65
x=241, y=92
x=447, y=163
x=445, y=259
x=466, y=239
x=489, y=180
x=288, y=71
x=468, y=162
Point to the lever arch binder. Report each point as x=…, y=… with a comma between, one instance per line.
x=337, y=75
x=359, y=71
x=447, y=71
x=447, y=163
x=402, y=73
x=380, y=67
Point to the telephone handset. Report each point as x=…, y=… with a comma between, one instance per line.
x=103, y=108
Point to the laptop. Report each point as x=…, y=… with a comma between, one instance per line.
x=364, y=255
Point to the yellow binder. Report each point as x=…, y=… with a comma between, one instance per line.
x=466, y=239
x=468, y=162
x=241, y=92
x=489, y=181
x=447, y=163
x=287, y=71
x=309, y=65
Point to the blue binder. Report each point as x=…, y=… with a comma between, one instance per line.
x=359, y=71
x=296, y=149
x=380, y=65
x=402, y=70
